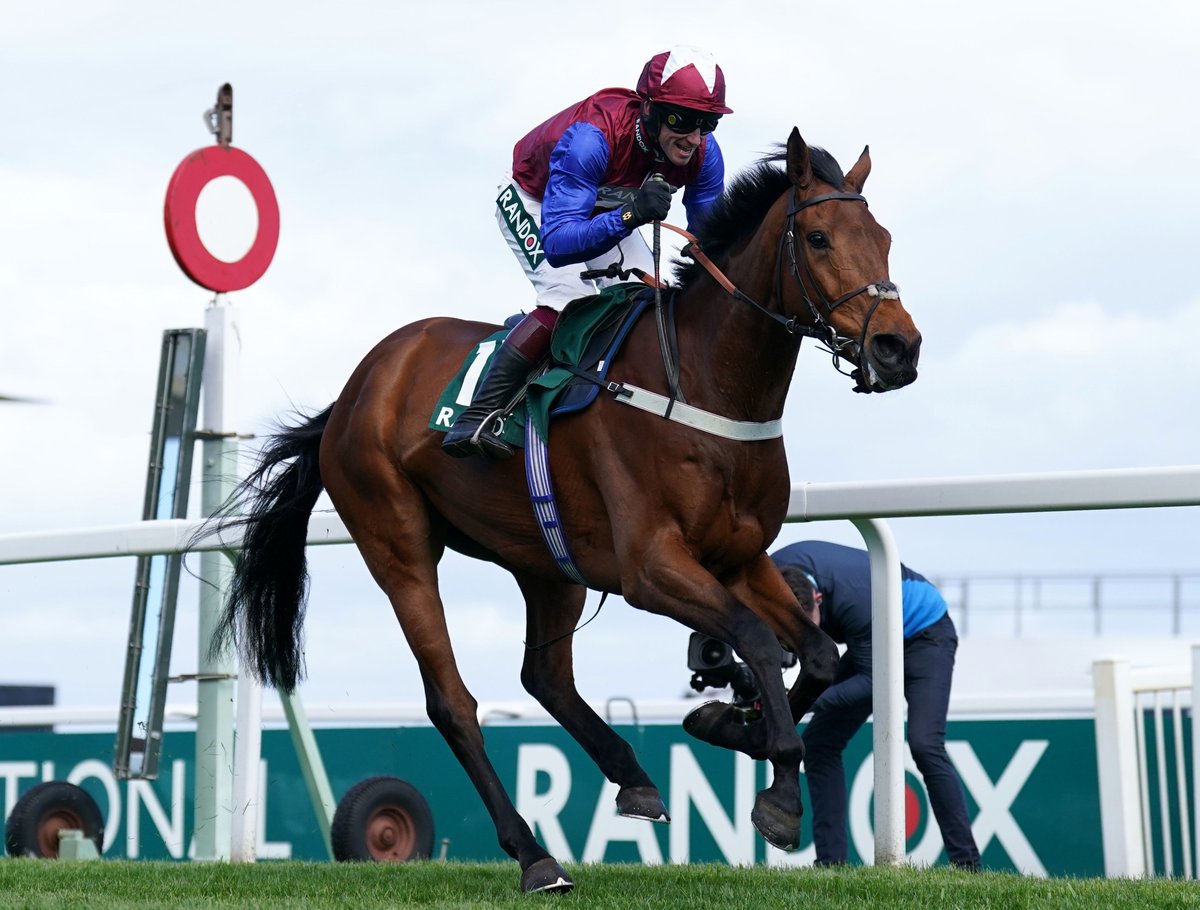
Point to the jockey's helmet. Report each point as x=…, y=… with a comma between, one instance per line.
x=685, y=77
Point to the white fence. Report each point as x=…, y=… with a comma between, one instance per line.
x=986, y=495
x=861, y=503
x=1146, y=811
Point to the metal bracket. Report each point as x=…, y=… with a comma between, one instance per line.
x=214, y=435
x=219, y=117
x=201, y=677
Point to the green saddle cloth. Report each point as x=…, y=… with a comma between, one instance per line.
x=578, y=323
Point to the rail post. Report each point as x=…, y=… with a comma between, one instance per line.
x=215, y=672
x=887, y=692
x=1117, y=764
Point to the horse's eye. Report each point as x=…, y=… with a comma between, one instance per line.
x=818, y=241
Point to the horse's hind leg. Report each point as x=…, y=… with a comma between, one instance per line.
x=552, y=610
x=392, y=529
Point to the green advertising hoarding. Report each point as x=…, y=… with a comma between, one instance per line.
x=1031, y=791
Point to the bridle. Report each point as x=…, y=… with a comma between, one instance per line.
x=821, y=329
x=820, y=311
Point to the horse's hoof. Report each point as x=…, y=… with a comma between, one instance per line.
x=721, y=724
x=546, y=875
x=780, y=827
x=642, y=802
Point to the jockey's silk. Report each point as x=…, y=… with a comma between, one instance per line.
x=566, y=160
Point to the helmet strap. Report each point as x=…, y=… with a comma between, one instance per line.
x=645, y=131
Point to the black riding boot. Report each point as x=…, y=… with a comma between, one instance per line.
x=470, y=435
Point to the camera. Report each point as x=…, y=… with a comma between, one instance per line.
x=714, y=666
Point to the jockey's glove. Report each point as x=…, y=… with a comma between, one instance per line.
x=651, y=203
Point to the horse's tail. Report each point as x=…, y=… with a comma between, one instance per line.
x=264, y=614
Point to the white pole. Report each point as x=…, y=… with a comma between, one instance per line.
x=1196, y=751
x=246, y=795
x=236, y=814
x=887, y=693
x=214, y=688
x=1117, y=767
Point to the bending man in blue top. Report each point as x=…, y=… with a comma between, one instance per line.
x=835, y=582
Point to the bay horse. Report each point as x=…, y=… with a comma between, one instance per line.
x=675, y=519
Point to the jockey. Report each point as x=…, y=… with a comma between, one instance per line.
x=579, y=189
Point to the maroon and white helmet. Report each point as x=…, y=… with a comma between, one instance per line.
x=686, y=77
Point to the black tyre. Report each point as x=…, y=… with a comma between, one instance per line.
x=383, y=820
x=38, y=816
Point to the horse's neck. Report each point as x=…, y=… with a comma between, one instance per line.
x=734, y=357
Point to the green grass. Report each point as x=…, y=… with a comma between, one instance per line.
x=110, y=884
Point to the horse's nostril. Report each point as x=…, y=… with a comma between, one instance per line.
x=888, y=349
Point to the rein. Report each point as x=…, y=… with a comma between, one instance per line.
x=820, y=329
x=665, y=322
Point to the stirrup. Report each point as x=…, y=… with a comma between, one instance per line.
x=488, y=442
x=476, y=438
x=482, y=441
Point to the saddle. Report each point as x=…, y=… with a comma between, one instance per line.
x=587, y=336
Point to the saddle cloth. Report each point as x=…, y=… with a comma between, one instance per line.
x=587, y=335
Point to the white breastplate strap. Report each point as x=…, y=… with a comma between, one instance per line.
x=743, y=430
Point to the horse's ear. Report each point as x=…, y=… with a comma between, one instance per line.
x=862, y=167
x=799, y=167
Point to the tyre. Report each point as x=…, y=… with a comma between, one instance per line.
x=383, y=820
x=38, y=816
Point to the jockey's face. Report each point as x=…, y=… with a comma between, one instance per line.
x=679, y=147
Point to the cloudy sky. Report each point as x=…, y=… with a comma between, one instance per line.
x=1035, y=162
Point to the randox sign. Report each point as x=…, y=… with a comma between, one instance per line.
x=1031, y=791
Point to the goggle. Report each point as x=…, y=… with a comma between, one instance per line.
x=684, y=120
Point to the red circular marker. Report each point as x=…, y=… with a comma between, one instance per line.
x=912, y=811
x=179, y=216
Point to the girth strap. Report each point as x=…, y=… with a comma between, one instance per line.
x=697, y=418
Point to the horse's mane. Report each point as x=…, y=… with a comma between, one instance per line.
x=745, y=201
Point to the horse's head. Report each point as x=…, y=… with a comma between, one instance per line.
x=837, y=254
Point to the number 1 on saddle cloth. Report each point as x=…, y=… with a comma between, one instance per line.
x=526, y=345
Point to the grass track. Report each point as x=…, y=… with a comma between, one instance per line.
x=112, y=884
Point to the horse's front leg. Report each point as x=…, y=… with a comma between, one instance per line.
x=765, y=591
x=667, y=579
x=816, y=652
x=553, y=609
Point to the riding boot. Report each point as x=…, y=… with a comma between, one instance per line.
x=469, y=436
x=523, y=349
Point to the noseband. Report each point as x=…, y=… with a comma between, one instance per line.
x=821, y=311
